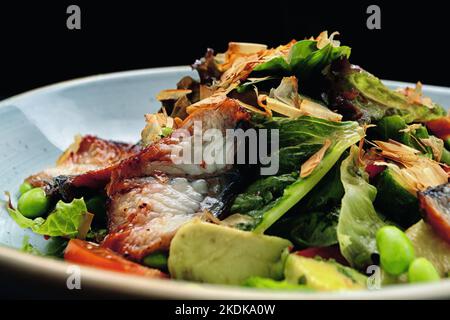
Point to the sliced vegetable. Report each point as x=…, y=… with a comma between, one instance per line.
x=396, y=250
x=417, y=171
x=322, y=275
x=394, y=200
x=267, y=283
x=408, y=172
x=415, y=136
x=358, y=220
x=91, y=254
x=211, y=253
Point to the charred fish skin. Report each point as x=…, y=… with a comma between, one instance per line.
x=84, y=168
x=151, y=196
x=435, y=206
x=226, y=114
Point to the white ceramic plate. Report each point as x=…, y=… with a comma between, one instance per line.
x=36, y=126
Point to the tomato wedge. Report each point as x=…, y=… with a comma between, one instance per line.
x=91, y=254
x=440, y=127
x=374, y=170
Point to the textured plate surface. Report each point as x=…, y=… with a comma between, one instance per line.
x=36, y=126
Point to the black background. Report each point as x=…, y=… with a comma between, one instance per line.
x=36, y=48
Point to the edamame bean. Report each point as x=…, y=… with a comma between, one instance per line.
x=396, y=250
x=422, y=270
x=156, y=260
x=25, y=187
x=33, y=203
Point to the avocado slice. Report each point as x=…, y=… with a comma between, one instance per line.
x=428, y=244
x=322, y=275
x=395, y=201
x=206, y=252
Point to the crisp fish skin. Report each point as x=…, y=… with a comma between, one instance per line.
x=88, y=162
x=151, y=196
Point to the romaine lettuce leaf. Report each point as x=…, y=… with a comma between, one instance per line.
x=313, y=220
x=303, y=59
x=315, y=229
x=358, y=220
x=262, y=192
x=299, y=139
x=275, y=66
x=63, y=221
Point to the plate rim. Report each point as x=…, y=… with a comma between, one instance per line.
x=171, y=69
x=170, y=289
x=119, y=283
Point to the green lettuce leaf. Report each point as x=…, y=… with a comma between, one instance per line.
x=261, y=193
x=358, y=220
x=299, y=139
x=359, y=95
x=276, y=66
x=303, y=59
x=313, y=221
x=63, y=221
x=315, y=229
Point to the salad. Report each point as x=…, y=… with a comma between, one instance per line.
x=286, y=168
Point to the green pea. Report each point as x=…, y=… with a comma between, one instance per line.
x=156, y=260
x=33, y=203
x=396, y=250
x=25, y=187
x=422, y=270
